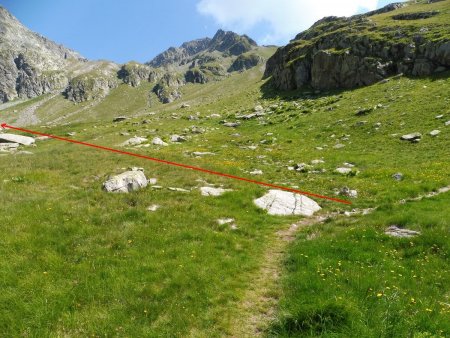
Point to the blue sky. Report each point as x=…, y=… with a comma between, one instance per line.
x=140, y=29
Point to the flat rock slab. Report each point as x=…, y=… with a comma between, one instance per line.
x=134, y=141
x=395, y=231
x=285, y=203
x=126, y=182
x=13, y=138
x=210, y=191
x=414, y=137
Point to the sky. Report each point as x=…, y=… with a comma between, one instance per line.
x=138, y=30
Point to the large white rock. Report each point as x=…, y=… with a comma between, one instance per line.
x=126, y=182
x=158, y=142
x=13, y=138
x=283, y=203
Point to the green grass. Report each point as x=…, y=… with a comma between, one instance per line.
x=345, y=278
x=77, y=261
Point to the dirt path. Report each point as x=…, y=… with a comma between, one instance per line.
x=258, y=308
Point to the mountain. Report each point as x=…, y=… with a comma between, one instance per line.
x=228, y=43
x=340, y=52
x=30, y=64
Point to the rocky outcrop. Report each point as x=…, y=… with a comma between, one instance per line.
x=134, y=73
x=231, y=43
x=95, y=84
x=30, y=65
x=245, y=61
x=167, y=88
x=351, y=52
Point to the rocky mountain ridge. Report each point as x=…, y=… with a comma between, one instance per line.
x=364, y=49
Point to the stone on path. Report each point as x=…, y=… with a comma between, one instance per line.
x=284, y=203
x=126, y=182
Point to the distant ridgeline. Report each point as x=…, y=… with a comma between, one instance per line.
x=31, y=65
x=412, y=38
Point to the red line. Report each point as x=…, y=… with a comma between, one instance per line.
x=4, y=125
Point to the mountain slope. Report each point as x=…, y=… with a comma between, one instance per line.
x=30, y=65
x=411, y=38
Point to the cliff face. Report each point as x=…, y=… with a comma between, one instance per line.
x=30, y=65
x=348, y=52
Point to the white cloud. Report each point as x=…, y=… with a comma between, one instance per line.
x=285, y=18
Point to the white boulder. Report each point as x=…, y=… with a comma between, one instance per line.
x=126, y=182
x=13, y=138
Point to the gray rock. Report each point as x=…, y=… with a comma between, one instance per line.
x=134, y=141
x=120, y=118
x=447, y=123
x=126, y=182
x=13, y=138
x=158, y=142
x=222, y=221
x=395, y=231
x=398, y=176
x=343, y=171
x=345, y=191
x=153, y=207
x=284, y=203
x=435, y=132
x=231, y=124
x=210, y=191
x=414, y=137
x=178, y=138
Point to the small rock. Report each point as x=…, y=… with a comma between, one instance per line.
x=120, y=119
x=202, y=153
x=258, y=108
x=345, y=191
x=134, y=141
x=414, y=137
x=178, y=189
x=72, y=133
x=153, y=207
x=178, y=138
x=316, y=162
x=398, y=176
x=343, y=171
x=395, y=231
x=222, y=221
x=435, y=132
x=210, y=191
x=185, y=105
x=302, y=167
x=158, y=142
x=256, y=172
x=439, y=117
x=215, y=116
x=447, y=123
x=152, y=181
x=231, y=124
x=124, y=134
x=339, y=146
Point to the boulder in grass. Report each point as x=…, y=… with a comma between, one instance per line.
x=126, y=182
x=413, y=137
x=285, y=203
x=13, y=138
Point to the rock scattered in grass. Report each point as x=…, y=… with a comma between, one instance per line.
x=345, y=191
x=126, y=182
x=439, y=117
x=158, y=142
x=222, y=221
x=178, y=138
x=178, y=189
x=413, y=137
x=153, y=207
x=343, y=171
x=120, y=118
x=152, y=181
x=447, y=123
x=210, y=191
x=284, y=203
x=435, y=132
x=202, y=153
x=13, y=138
x=256, y=172
x=134, y=141
x=339, y=146
x=398, y=176
x=395, y=231
x=231, y=124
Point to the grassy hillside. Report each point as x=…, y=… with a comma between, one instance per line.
x=77, y=261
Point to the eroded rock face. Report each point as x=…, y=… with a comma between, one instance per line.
x=285, y=203
x=126, y=182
